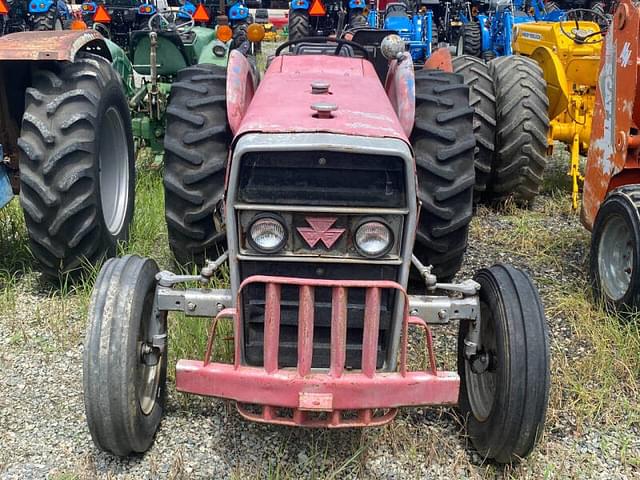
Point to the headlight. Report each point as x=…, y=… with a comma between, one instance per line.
x=219, y=50
x=267, y=233
x=373, y=239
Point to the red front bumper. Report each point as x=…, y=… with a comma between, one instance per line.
x=300, y=396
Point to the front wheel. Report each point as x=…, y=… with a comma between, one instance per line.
x=470, y=40
x=615, y=250
x=48, y=20
x=125, y=357
x=504, y=386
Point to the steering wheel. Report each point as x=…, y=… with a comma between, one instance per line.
x=583, y=36
x=340, y=43
x=168, y=21
x=102, y=29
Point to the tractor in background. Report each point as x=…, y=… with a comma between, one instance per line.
x=568, y=51
x=310, y=18
x=321, y=201
x=611, y=193
x=22, y=16
x=416, y=28
x=67, y=146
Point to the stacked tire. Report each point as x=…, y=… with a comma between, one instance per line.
x=511, y=126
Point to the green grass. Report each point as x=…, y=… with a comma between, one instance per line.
x=595, y=361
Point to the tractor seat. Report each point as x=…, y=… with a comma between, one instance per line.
x=171, y=53
x=396, y=10
x=310, y=48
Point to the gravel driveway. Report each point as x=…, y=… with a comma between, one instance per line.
x=43, y=432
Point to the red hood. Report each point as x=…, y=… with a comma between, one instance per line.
x=282, y=102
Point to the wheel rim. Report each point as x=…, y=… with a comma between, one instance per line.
x=481, y=387
x=615, y=257
x=148, y=376
x=113, y=161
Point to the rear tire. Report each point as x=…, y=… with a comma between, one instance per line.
x=48, y=20
x=196, y=144
x=470, y=40
x=239, y=35
x=615, y=251
x=482, y=99
x=299, y=24
x=76, y=208
x=443, y=143
x=504, y=389
x=124, y=388
x=522, y=129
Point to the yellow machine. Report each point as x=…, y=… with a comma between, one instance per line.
x=569, y=54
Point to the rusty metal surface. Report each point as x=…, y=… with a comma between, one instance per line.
x=401, y=89
x=240, y=88
x=283, y=100
x=613, y=158
x=56, y=45
x=440, y=59
x=333, y=391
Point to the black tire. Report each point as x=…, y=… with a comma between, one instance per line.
x=470, y=40
x=299, y=24
x=239, y=34
x=488, y=55
x=615, y=251
x=551, y=7
x=505, y=418
x=196, y=143
x=483, y=100
x=443, y=144
x=122, y=417
x=48, y=20
x=522, y=128
x=75, y=114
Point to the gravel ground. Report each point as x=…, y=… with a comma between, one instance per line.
x=43, y=433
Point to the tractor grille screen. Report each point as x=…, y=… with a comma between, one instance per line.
x=253, y=304
x=322, y=178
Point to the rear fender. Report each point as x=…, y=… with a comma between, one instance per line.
x=554, y=75
x=440, y=59
x=40, y=6
x=242, y=81
x=57, y=45
x=400, y=86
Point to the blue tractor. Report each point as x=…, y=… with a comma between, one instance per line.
x=23, y=15
x=490, y=34
x=416, y=28
x=49, y=14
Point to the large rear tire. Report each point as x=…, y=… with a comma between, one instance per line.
x=125, y=357
x=77, y=164
x=299, y=24
x=483, y=100
x=470, y=40
x=443, y=143
x=48, y=20
x=522, y=129
x=196, y=144
x=504, y=388
x=615, y=251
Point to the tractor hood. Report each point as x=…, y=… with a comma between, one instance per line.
x=284, y=101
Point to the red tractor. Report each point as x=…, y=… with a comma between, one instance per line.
x=611, y=195
x=323, y=187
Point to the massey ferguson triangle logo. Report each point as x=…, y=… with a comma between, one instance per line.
x=320, y=229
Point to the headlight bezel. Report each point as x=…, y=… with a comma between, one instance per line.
x=382, y=222
x=262, y=216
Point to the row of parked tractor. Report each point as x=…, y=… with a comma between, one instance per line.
x=337, y=189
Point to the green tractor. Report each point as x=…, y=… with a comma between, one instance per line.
x=159, y=58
